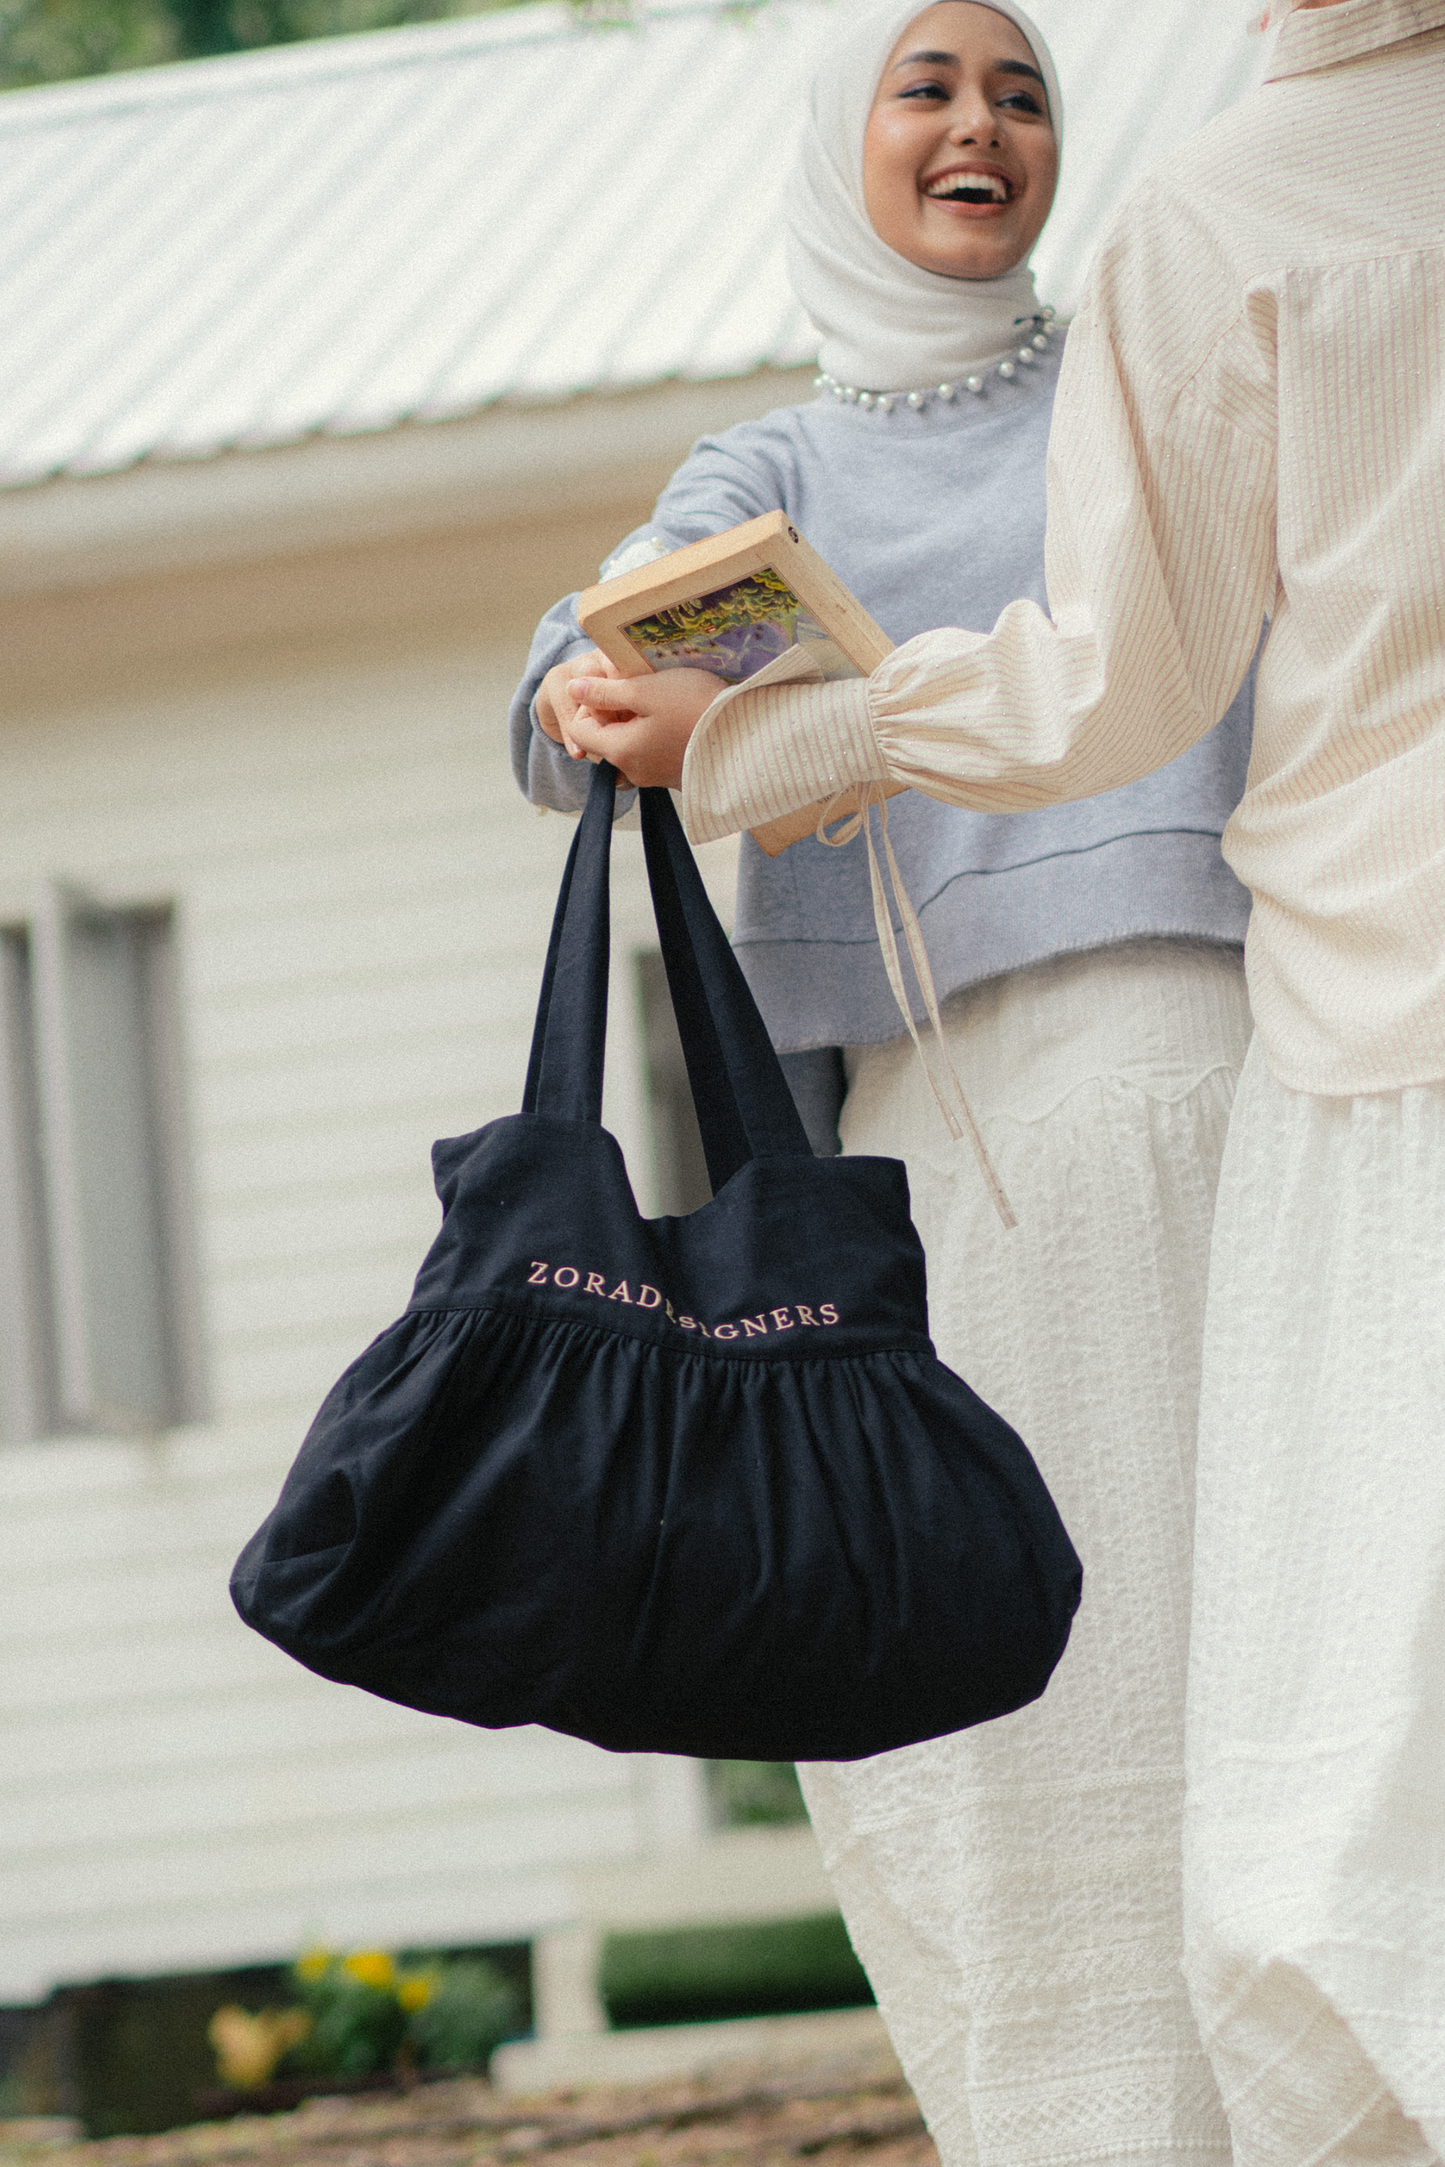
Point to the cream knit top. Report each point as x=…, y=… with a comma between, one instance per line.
x=1250, y=423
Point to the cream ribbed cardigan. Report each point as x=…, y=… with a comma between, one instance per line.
x=1250, y=422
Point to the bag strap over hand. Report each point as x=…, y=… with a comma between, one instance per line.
x=744, y=1107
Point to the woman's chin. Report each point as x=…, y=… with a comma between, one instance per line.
x=974, y=248
x=974, y=263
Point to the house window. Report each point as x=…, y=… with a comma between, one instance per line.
x=681, y=1168
x=98, y=1324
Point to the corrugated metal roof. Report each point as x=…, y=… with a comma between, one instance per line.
x=413, y=224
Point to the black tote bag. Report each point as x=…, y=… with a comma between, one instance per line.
x=686, y=1485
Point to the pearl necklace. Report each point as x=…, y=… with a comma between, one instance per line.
x=883, y=402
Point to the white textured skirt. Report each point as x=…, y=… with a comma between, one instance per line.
x=1315, y=1820
x=1015, y=1891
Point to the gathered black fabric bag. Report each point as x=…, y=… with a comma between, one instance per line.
x=688, y=1485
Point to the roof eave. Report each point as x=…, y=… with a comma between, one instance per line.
x=511, y=462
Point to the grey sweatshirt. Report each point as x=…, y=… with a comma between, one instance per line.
x=931, y=518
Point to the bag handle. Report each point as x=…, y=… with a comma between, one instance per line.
x=564, y=1073
x=744, y=1107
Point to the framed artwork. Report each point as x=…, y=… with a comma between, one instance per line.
x=732, y=604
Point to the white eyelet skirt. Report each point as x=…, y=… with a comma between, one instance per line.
x=1314, y=1851
x=1015, y=1891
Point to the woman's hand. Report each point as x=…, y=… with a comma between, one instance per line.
x=642, y=724
x=557, y=702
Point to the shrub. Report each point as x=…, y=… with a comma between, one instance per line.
x=470, y=2010
x=694, y=1973
x=359, y=2014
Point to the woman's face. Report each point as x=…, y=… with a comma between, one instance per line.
x=959, y=158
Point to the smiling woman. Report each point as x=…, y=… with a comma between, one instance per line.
x=960, y=157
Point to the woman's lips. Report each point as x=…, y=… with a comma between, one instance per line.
x=970, y=188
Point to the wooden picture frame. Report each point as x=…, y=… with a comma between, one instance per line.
x=732, y=604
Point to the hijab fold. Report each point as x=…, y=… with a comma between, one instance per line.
x=884, y=323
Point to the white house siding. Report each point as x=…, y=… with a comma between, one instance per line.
x=309, y=757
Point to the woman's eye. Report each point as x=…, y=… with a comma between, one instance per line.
x=1022, y=101
x=925, y=91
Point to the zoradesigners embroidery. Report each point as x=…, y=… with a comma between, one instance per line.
x=787, y=1317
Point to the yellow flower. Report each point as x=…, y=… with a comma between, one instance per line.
x=414, y=1993
x=313, y=1964
x=373, y=1967
x=249, y=2047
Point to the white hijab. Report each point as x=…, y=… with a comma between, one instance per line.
x=884, y=324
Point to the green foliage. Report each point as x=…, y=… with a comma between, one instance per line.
x=726, y=1971
x=755, y=1794
x=472, y=2009
x=355, y=2027
x=369, y=2013
x=47, y=41
x=43, y=41
x=50, y=41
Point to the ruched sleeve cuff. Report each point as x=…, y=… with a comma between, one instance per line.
x=783, y=740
